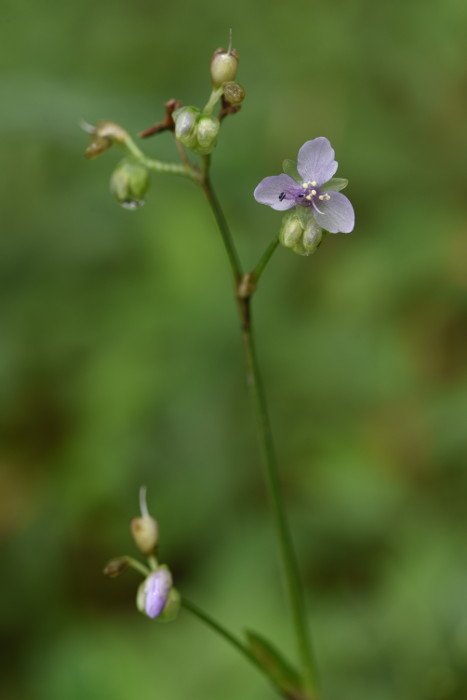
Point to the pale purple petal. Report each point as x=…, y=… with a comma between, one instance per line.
x=316, y=161
x=157, y=588
x=337, y=213
x=271, y=189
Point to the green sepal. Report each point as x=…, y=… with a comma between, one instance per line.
x=281, y=673
x=289, y=167
x=171, y=608
x=335, y=184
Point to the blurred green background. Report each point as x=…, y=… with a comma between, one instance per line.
x=120, y=358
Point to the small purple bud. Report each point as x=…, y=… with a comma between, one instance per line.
x=156, y=591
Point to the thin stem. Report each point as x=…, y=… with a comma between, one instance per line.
x=221, y=221
x=170, y=168
x=137, y=566
x=245, y=286
x=183, y=155
x=222, y=631
x=214, y=97
x=186, y=169
x=289, y=562
x=265, y=258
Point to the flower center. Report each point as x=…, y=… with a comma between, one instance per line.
x=310, y=196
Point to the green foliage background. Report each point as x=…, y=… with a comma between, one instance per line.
x=120, y=359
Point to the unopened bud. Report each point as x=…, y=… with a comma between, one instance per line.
x=196, y=130
x=185, y=125
x=129, y=184
x=223, y=66
x=233, y=93
x=145, y=531
x=300, y=232
x=153, y=593
x=207, y=130
x=115, y=567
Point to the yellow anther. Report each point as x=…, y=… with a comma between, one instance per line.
x=321, y=197
x=313, y=192
x=304, y=185
x=308, y=196
x=313, y=183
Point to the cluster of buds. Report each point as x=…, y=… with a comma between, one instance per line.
x=156, y=597
x=198, y=129
x=300, y=232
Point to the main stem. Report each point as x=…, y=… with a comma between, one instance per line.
x=289, y=561
x=245, y=286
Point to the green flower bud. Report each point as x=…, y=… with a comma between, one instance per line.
x=196, y=130
x=300, y=232
x=185, y=124
x=234, y=93
x=207, y=130
x=129, y=183
x=223, y=66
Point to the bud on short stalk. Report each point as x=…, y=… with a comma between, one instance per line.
x=129, y=183
x=144, y=529
x=224, y=66
x=153, y=594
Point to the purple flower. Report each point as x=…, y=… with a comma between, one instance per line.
x=311, y=187
x=156, y=589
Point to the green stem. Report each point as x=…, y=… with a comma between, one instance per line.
x=259, y=269
x=222, y=631
x=170, y=168
x=137, y=566
x=289, y=561
x=245, y=286
x=221, y=221
x=214, y=97
x=159, y=166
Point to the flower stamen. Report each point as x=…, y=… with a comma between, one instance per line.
x=316, y=208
